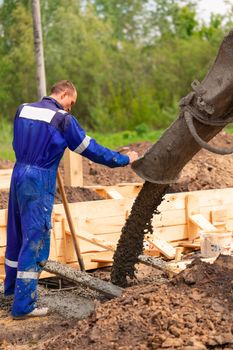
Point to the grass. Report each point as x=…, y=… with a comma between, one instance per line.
x=6, y=150
x=124, y=138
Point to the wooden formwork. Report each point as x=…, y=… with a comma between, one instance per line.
x=98, y=223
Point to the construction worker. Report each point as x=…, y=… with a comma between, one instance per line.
x=42, y=132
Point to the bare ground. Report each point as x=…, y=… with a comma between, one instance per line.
x=193, y=311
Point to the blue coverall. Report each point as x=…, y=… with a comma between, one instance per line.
x=42, y=132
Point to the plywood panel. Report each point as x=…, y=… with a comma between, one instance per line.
x=213, y=197
x=97, y=209
x=172, y=233
x=103, y=225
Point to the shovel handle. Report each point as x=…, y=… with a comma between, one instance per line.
x=70, y=221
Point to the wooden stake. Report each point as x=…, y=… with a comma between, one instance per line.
x=73, y=169
x=192, y=207
x=70, y=221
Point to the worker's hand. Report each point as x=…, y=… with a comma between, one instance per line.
x=132, y=156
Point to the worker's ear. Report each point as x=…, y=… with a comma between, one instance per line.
x=63, y=94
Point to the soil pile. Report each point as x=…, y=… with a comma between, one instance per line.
x=78, y=194
x=205, y=171
x=208, y=170
x=74, y=194
x=193, y=312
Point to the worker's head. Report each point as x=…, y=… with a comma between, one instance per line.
x=65, y=93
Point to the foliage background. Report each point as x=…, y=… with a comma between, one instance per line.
x=131, y=60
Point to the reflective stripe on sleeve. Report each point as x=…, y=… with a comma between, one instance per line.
x=27, y=275
x=11, y=263
x=83, y=145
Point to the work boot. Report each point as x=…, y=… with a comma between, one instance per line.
x=37, y=312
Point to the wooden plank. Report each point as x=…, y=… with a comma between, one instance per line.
x=126, y=190
x=87, y=236
x=201, y=222
x=219, y=217
x=84, y=248
x=114, y=194
x=97, y=209
x=64, y=248
x=102, y=260
x=5, y=178
x=89, y=264
x=61, y=248
x=172, y=233
x=215, y=197
x=178, y=217
x=163, y=247
x=102, y=225
x=73, y=169
x=5, y=172
x=3, y=217
x=2, y=236
x=194, y=245
x=192, y=207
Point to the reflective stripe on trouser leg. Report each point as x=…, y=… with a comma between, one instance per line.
x=14, y=238
x=27, y=280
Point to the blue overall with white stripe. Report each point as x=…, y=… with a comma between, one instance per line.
x=42, y=132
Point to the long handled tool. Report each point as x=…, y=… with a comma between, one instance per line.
x=70, y=221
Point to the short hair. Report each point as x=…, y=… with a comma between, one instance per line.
x=63, y=85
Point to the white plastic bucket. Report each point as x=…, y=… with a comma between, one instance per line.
x=213, y=243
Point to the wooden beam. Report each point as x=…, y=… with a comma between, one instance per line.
x=202, y=223
x=86, y=236
x=162, y=246
x=192, y=207
x=5, y=178
x=114, y=194
x=73, y=169
x=219, y=217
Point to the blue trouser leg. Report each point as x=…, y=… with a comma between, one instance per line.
x=34, y=251
x=35, y=200
x=14, y=239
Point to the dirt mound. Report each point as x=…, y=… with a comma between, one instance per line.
x=208, y=170
x=74, y=194
x=78, y=194
x=193, y=312
x=205, y=171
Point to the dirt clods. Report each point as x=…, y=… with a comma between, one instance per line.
x=175, y=315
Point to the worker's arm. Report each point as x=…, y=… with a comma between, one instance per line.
x=79, y=142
